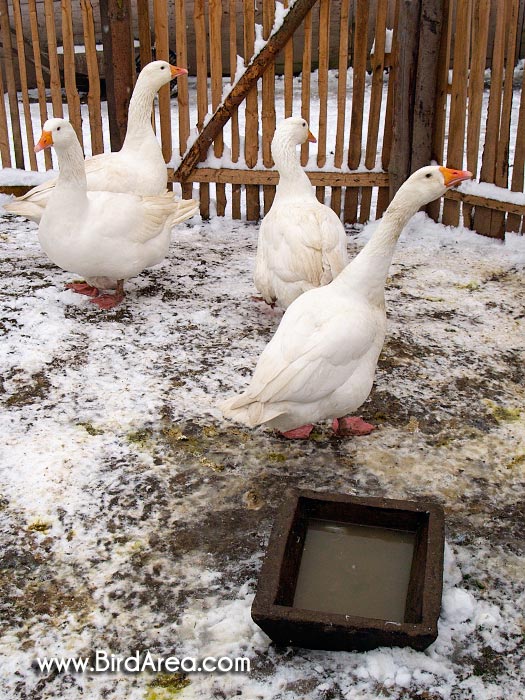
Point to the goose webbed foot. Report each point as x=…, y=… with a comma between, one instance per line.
x=301, y=433
x=255, y=298
x=351, y=425
x=108, y=301
x=83, y=288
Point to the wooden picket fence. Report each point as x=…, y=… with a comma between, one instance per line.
x=404, y=108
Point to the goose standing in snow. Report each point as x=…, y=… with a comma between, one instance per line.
x=139, y=166
x=302, y=243
x=107, y=237
x=322, y=359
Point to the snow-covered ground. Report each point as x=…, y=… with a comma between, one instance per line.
x=133, y=517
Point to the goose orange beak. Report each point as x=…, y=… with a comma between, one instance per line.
x=311, y=137
x=454, y=177
x=46, y=140
x=176, y=71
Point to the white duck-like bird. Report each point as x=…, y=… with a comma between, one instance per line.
x=322, y=359
x=107, y=237
x=302, y=243
x=139, y=166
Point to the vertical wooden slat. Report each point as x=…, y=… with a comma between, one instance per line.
x=70, y=81
x=235, y=140
x=216, y=88
x=514, y=222
x=383, y=194
x=458, y=102
x=251, y=136
x=288, y=74
x=358, y=98
x=11, y=84
x=199, y=19
x=480, y=30
x=160, y=20
x=22, y=71
x=502, y=152
x=39, y=74
x=183, y=101
x=482, y=215
x=305, y=80
x=335, y=202
x=324, y=47
x=95, y=116
x=268, y=105
x=5, y=150
x=144, y=28
x=54, y=81
x=377, y=64
x=501, y=167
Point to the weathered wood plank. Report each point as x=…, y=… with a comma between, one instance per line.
x=271, y=177
x=376, y=95
x=199, y=19
x=216, y=89
x=183, y=99
x=160, y=21
x=322, y=74
x=235, y=137
x=95, y=115
x=39, y=74
x=458, y=102
x=305, y=81
x=358, y=98
x=336, y=197
x=268, y=104
x=251, y=131
x=54, y=71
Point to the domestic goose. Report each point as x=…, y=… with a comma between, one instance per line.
x=302, y=243
x=322, y=359
x=139, y=166
x=107, y=237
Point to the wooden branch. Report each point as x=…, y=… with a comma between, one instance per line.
x=254, y=71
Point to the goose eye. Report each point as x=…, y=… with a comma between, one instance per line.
x=304, y=123
x=162, y=67
x=58, y=128
x=428, y=175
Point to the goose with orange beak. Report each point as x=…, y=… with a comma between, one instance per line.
x=321, y=362
x=139, y=166
x=106, y=237
x=302, y=243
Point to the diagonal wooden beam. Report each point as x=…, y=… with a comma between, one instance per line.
x=255, y=69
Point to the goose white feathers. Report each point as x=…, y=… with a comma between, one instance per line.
x=322, y=359
x=107, y=237
x=139, y=166
x=302, y=243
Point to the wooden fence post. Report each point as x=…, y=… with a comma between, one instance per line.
x=115, y=17
x=419, y=30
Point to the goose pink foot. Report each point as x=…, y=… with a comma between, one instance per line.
x=107, y=301
x=302, y=433
x=272, y=305
x=83, y=288
x=352, y=425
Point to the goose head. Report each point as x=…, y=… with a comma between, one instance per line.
x=56, y=132
x=430, y=183
x=293, y=131
x=158, y=73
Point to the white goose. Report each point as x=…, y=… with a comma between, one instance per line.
x=139, y=166
x=107, y=237
x=302, y=243
x=321, y=361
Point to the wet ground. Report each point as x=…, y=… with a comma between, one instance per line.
x=133, y=517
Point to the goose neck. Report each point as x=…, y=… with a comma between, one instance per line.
x=72, y=173
x=139, y=114
x=291, y=174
